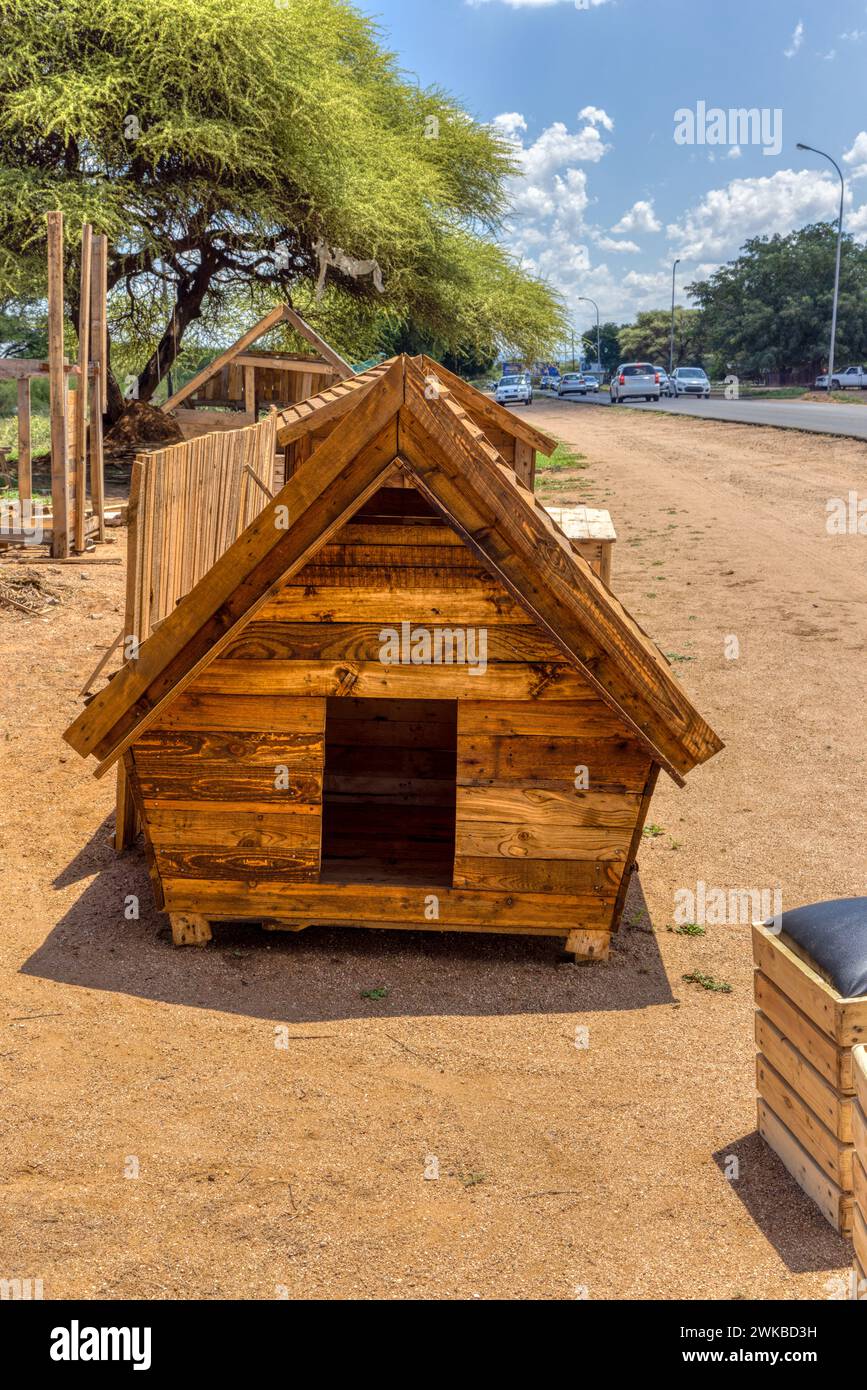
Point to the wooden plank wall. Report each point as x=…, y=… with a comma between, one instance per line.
x=804, y=1072
x=859, y=1134
x=209, y=778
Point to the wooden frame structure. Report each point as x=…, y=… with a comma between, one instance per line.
x=283, y=770
x=246, y=380
x=805, y=1032
x=76, y=416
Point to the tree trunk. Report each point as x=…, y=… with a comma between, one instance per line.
x=188, y=307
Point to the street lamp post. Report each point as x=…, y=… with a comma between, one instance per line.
x=671, y=348
x=587, y=300
x=837, y=266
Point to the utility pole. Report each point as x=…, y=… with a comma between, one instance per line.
x=587, y=300
x=671, y=348
x=837, y=266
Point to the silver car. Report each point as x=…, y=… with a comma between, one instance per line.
x=635, y=381
x=691, y=381
x=514, y=390
x=665, y=388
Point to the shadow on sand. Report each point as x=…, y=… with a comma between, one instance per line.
x=320, y=973
x=781, y=1209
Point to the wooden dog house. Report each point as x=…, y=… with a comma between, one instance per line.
x=312, y=737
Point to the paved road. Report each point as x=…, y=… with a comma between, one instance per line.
x=847, y=420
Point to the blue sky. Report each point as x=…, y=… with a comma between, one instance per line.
x=589, y=96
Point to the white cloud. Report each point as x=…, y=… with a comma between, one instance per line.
x=510, y=124
x=717, y=226
x=639, y=218
x=857, y=156
x=609, y=243
x=856, y=223
x=735, y=152
x=596, y=116
x=830, y=55
x=796, y=40
x=854, y=36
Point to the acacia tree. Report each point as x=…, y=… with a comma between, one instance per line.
x=219, y=143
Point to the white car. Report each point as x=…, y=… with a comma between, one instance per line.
x=821, y=382
x=850, y=377
x=635, y=381
x=515, y=390
x=690, y=381
x=572, y=384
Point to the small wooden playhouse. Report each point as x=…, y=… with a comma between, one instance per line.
x=402, y=698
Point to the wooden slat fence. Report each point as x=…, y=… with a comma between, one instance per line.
x=188, y=504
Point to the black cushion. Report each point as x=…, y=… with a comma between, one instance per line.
x=834, y=934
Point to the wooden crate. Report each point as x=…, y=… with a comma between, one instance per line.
x=859, y=1135
x=807, y=1110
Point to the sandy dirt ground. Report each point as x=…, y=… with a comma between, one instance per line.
x=241, y=1122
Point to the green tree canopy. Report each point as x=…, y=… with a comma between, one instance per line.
x=649, y=338
x=219, y=142
x=770, y=309
x=609, y=345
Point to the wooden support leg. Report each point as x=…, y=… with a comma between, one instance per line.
x=588, y=945
x=126, y=816
x=189, y=929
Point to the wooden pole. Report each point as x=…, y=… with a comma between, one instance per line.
x=80, y=438
x=99, y=312
x=57, y=387
x=99, y=361
x=126, y=818
x=97, y=463
x=25, y=467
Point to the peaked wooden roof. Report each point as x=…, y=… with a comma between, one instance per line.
x=408, y=417
x=328, y=405
x=282, y=313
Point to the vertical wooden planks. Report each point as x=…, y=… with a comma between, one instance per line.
x=57, y=386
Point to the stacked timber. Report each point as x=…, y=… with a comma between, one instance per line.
x=859, y=1134
x=805, y=1031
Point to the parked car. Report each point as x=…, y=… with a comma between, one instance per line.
x=592, y=381
x=634, y=381
x=821, y=382
x=665, y=388
x=850, y=377
x=572, y=384
x=515, y=390
x=690, y=381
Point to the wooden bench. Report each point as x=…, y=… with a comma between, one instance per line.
x=805, y=1033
